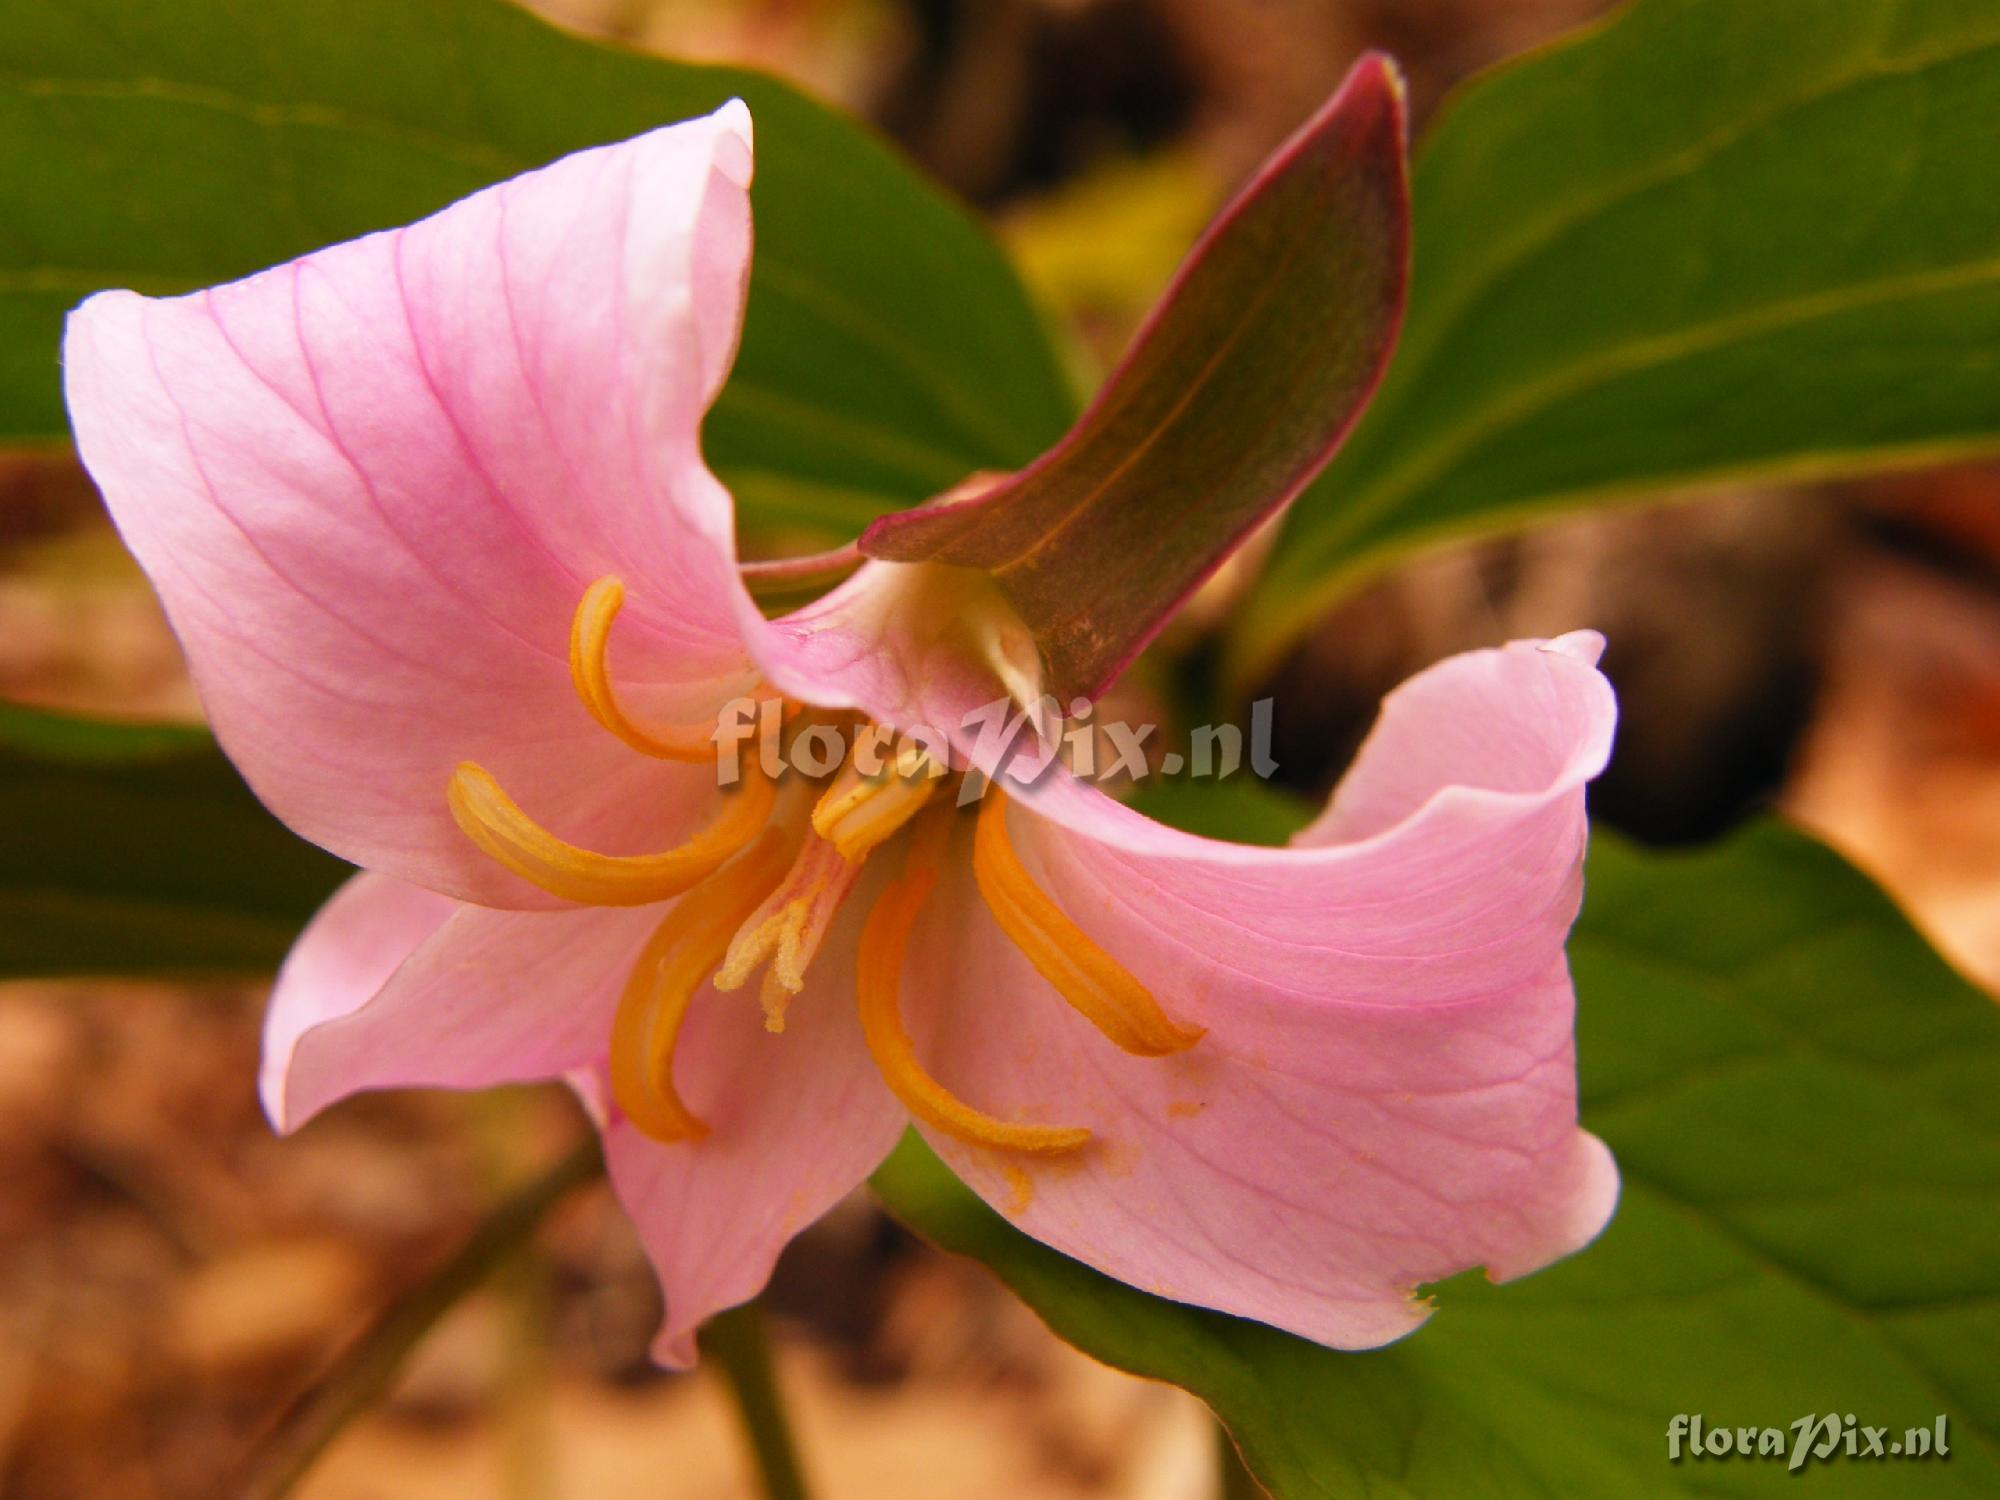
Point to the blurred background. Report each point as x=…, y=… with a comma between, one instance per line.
x=172, y=1277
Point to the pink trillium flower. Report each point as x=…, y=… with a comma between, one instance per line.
x=394, y=495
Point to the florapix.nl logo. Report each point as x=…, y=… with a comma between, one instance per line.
x=1030, y=741
x=1818, y=1437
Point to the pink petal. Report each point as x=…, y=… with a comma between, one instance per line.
x=372, y=485
x=1386, y=1094
x=796, y=1119
x=868, y=645
x=1510, y=721
x=392, y=986
x=346, y=953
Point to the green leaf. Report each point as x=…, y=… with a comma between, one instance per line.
x=1235, y=393
x=1800, y=1095
x=137, y=850
x=1708, y=241
x=889, y=350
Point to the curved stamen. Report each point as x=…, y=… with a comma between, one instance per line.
x=493, y=821
x=589, y=647
x=885, y=939
x=858, y=811
x=1101, y=989
x=669, y=970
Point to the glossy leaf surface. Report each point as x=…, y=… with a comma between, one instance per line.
x=1705, y=242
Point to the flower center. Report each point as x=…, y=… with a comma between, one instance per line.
x=758, y=889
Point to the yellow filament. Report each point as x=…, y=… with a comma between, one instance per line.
x=788, y=927
x=885, y=938
x=1091, y=980
x=857, y=811
x=589, y=646
x=670, y=969
x=493, y=821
